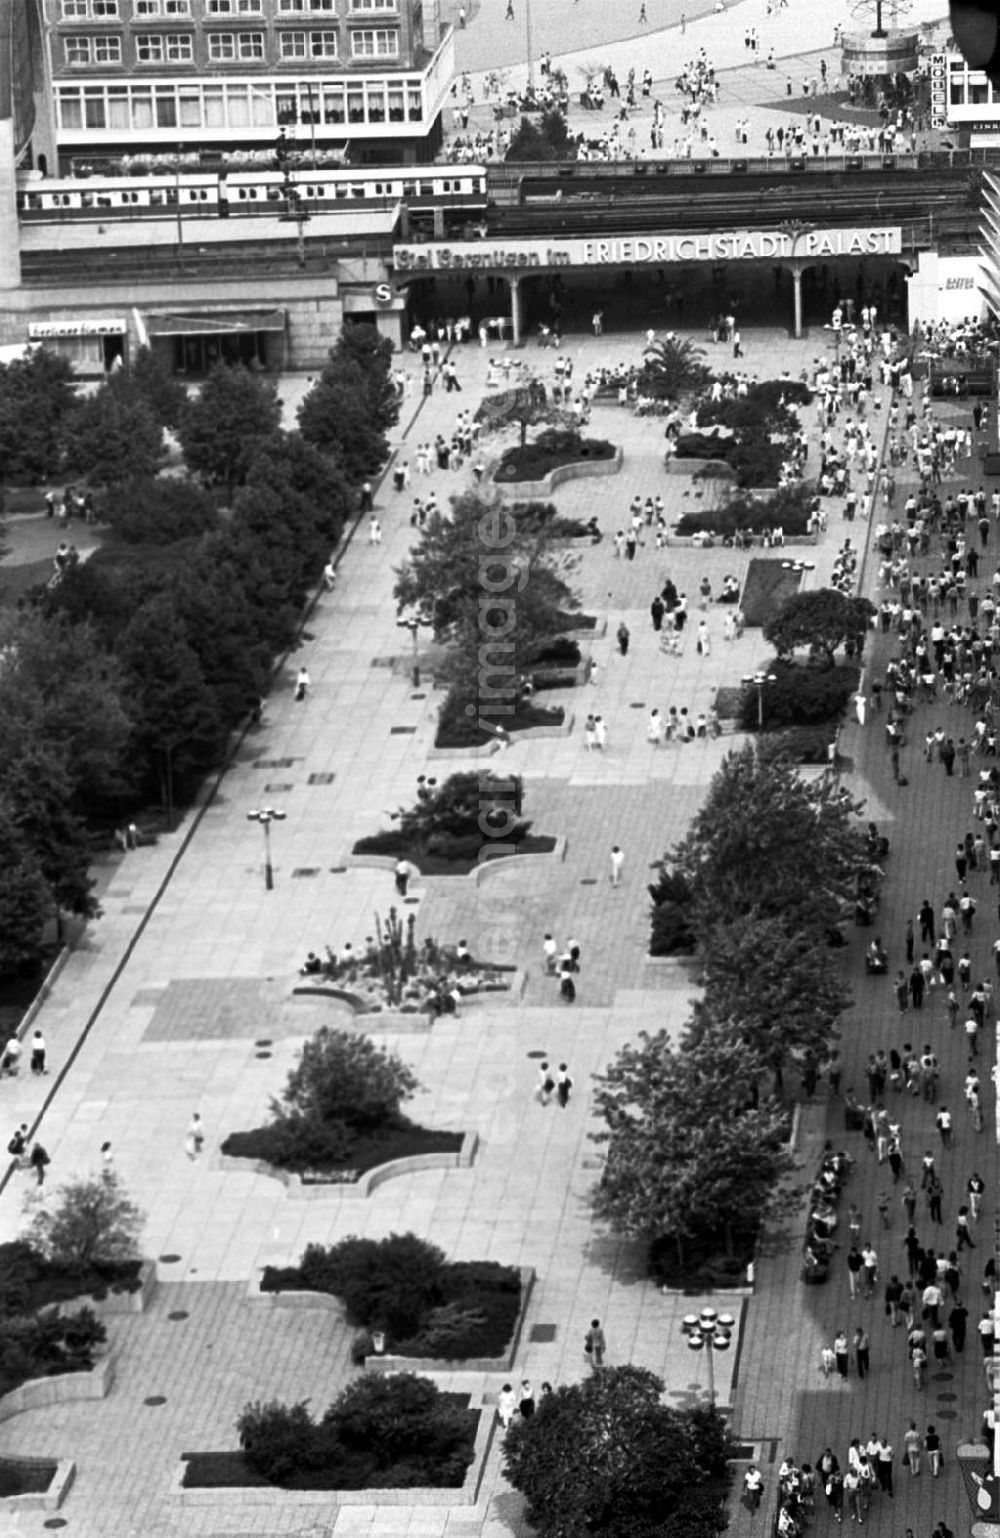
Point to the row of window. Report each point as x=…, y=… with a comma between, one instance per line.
x=263, y=105
x=227, y=47
x=108, y=10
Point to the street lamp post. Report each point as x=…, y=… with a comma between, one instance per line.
x=709, y=1332
x=759, y=681
x=413, y=624
x=265, y=815
x=527, y=29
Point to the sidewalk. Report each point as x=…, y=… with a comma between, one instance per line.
x=185, y=988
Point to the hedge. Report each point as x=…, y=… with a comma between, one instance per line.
x=801, y=695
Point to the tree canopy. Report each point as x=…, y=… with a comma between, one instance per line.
x=549, y=139
x=672, y=367
x=113, y=435
x=222, y=427
x=36, y=394
x=690, y=1151
x=606, y=1457
x=494, y=589
x=821, y=619
x=525, y=405
x=352, y=405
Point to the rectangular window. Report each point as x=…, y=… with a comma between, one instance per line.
x=142, y=107
x=70, y=112
x=190, y=109
x=75, y=10
x=107, y=50
x=215, y=111
x=333, y=103
x=180, y=48
x=104, y=10
x=249, y=7
x=323, y=45
x=77, y=49
x=177, y=8
x=375, y=43
x=146, y=8
x=219, y=7
x=376, y=104
x=93, y=109
x=250, y=45
x=292, y=45
x=261, y=106
x=149, y=48
x=166, y=110
x=118, y=107
x=238, y=106
x=221, y=47
x=360, y=6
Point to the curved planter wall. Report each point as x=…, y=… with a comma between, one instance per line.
x=367, y=1183
x=581, y=469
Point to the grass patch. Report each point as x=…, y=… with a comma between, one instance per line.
x=768, y=585
x=16, y=582
x=347, y=1155
x=729, y=702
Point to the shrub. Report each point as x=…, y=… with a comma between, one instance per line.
x=344, y=1078
x=47, y=1344
x=385, y=1284
x=159, y=512
x=800, y=695
x=704, y=446
x=558, y=446
x=672, y=932
x=277, y=1439
x=788, y=507
x=558, y=651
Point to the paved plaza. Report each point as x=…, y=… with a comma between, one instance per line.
x=181, y=998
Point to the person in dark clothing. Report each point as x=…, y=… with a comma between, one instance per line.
x=917, y=988
x=958, y=1321
x=657, y=610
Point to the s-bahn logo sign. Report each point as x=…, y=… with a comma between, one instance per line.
x=651, y=250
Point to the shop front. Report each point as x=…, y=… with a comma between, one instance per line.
x=94, y=345
x=192, y=344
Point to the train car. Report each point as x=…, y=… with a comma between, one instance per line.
x=246, y=192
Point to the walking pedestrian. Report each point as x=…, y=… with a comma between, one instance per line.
x=302, y=682
x=194, y=1140
x=564, y=1086
x=403, y=874
x=623, y=636
x=617, y=865
x=958, y=1321
x=595, y=1345
x=862, y=1352
x=39, y=1161
x=912, y=1448
x=38, y=1051
x=932, y=1444
x=506, y=1405
x=840, y=1353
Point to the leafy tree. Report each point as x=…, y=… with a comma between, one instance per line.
x=113, y=435
x=673, y=930
x=526, y=405
x=690, y=1150
x=36, y=787
x=550, y=139
x=345, y=1078
x=606, y=1457
x=25, y=903
x=177, y=721
x=160, y=511
x=221, y=429
x=672, y=368
x=365, y=346
x=311, y=487
x=768, y=842
x=777, y=985
x=822, y=619
x=60, y=688
x=163, y=393
x=337, y=419
x=91, y=1221
x=36, y=394
x=496, y=591
x=220, y=629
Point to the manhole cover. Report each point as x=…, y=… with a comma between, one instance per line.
x=589, y=881
x=947, y=1415
x=265, y=1041
x=418, y=696
x=943, y=1377
x=539, y=1055
x=304, y=871
x=338, y=870
x=409, y=901
x=56, y=1522
x=155, y=1399
x=637, y=705
x=177, y=1315
x=946, y=1398
x=401, y=731
x=168, y=1260
x=263, y=1054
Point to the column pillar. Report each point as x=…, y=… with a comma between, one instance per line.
x=515, y=309
x=797, y=294
x=10, y=242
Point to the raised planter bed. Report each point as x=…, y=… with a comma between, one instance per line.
x=232, y=1495
x=387, y=1362
x=487, y=749
x=121, y=1301
x=34, y=1484
x=576, y=470
x=39, y=1393
x=354, y=1184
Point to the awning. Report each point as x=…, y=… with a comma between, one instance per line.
x=226, y=322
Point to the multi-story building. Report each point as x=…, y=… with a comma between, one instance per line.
x=181, y=77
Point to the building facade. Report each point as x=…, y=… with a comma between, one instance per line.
x=178, y=79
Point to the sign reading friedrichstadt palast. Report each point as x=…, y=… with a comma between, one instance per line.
x=730, y=246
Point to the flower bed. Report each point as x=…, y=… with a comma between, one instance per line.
x=393, y=844
x=769, y=584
